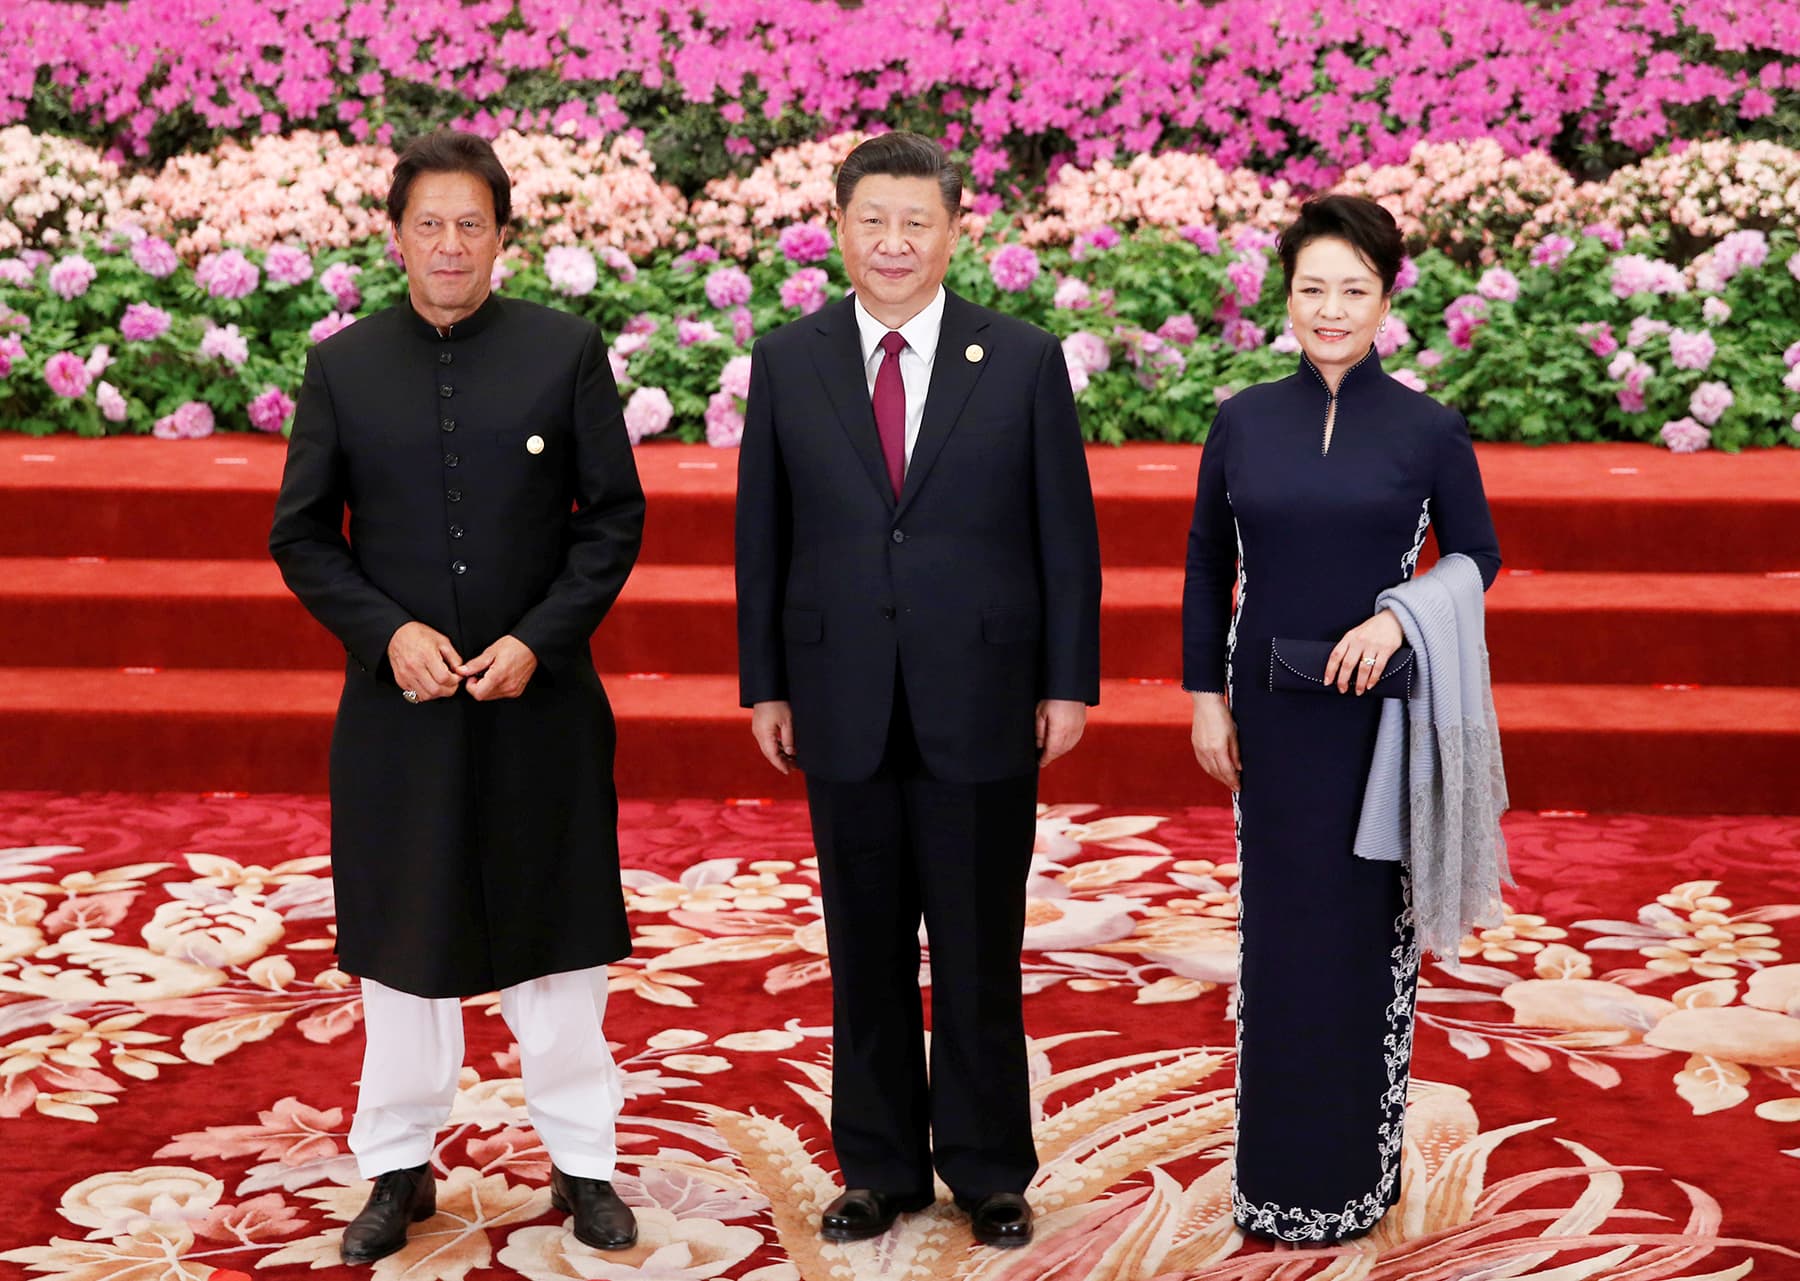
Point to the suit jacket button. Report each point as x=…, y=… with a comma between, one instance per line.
x=454, y=495
x=888, y=613
x=446, y=391
x=899, y=536
x=445, y=358
x=460, y=566
x=450, y=460
x=448, y=424
x=456, y=531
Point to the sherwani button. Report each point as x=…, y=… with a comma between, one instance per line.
x=448, y=424
x=460, y=566
x=445, y=358
x=454, y=495
x=450, y=460
x=456, y=531
x=446, y=391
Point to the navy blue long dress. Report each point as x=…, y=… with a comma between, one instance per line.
x=1328, y=962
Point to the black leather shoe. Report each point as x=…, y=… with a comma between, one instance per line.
x=861, y=1213
x=1000, y=1218
x=601, y=1219
x=400, y=1199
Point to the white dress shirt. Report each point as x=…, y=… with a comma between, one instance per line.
x=921, y=334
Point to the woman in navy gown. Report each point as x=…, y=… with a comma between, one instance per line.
x=1315, y=494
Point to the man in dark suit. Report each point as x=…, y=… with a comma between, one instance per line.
x=495, y=512
x=918, y=580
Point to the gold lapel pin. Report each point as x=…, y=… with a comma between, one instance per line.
x=974, y=353
x=535, y=445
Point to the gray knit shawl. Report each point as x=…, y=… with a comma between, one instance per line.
x=1437, y=787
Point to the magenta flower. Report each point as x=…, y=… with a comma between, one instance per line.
x=1202, y=237
x=1497, y=284
x=1551, y=251
x=1691, y=350
x=11, y=349
x=571, y=271
x=190, y=422
x=331, y=324
x=1463, y=317
x=804, y=242
x=287, y=265
x=1014, y=268
x=1392, y=337
x=71, y=276
x=142, y=322
x=697, y=256
x=1242, y=334
x=728, y=287
x=743, y=326
x=67, y=374
x=648, y=413
x=1180, y=328
x=339, y=280
x=1685, y=436
x=642, y=323
x=1600, y=339
x=724, y=420
x=1246, y=274
x=270, y=410
x=690, y=332
x=1606, y=234
x=1709, y=402
x=804, y=291
x=227, y=274
x=1631, y=395
x=154, y=257
x=1408, y=275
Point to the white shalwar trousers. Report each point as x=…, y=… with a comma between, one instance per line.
x=414, y=1055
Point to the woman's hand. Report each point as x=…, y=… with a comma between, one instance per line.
x=1215, y=739
x=1362, y=656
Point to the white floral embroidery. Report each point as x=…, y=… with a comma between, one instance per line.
x=1409, y=563
x=1297, y=1223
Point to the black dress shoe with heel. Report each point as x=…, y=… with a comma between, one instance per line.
x=1001, y=1218
x=861, y=1213
x=602, y=1220
x=400, y=1199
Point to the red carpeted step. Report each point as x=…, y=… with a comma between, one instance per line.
x=1574, y=507
x=1713, y=750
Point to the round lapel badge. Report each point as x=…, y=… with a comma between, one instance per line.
x=974, y=353
x=535, y=445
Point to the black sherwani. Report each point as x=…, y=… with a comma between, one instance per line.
x=491, y=491
x=913, y=638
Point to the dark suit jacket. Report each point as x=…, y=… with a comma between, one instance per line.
x=474, y=845
x=982, y=582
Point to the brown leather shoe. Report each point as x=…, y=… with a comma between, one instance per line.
x=602, y=1220
x=1000, y=1219
x=400, y=1198
x=861, y=1213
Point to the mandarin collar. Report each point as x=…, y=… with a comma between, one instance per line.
x=467, y=327
x=1360, y=375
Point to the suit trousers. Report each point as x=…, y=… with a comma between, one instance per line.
x=414, y=1056
x=893, y=849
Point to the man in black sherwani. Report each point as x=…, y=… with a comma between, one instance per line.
x=494, y=513
x=918, y=583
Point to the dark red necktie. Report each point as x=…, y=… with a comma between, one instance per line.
x=890, y=408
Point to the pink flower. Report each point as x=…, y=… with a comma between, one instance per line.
x=1634, y=274
x=1408, y=275
x=1795, y=424
x=142, y=322
x=1551, y=251
x=225, y=343
x=1792, y=379
x=1430, y=358
x=499, y=274
x=287, y=265
x=1606, y=234
x=1793, y=265
x=227, y=274
x=270, y=410
x=1710, y=401
x=1631, y=395
x=728, y=287
x=1464, y=316
x=804, y=242
x=1071, y=294
x=1407, y=378
x=1246, y=274
x=1691, y=350
x=1645, y=328
x=1078, y=378
x=1740, y=250
x=113, y=406
x=648, y=413
x=1716, y=310
x=339, y=280
x=1087, y=352
x=804, y=291
x=630, y=343
x=1392, y=337
x=190, y=422
x=67, y=374
x=1286, y=344
x=154, y=257
x=335, y=322
x=689, y=332
x=1791, y=357
x=724, y=420
x=15, y=273
x=1243, y=335
x=1685, y=436
x=571, y=271
x=1014, y=268
x=1600, y=339
x=735, y=377
x=619, y=262
x=743, y=326
x=11, y=349
x=1497, y=284
x=697, y=255
x=1202, y=237
x=99, y=360
x=71, y=276
x=1180, y=328
x=642, y=323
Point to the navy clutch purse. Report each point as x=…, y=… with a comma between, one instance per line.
x=1300, y=665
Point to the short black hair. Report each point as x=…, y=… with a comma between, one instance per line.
x=1369, y=229
x=450, y=151
x=900, y=155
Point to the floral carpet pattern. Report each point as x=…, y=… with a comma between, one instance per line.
x=1607, y=1086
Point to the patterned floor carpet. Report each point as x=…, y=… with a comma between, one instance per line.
x=1610, y=1087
